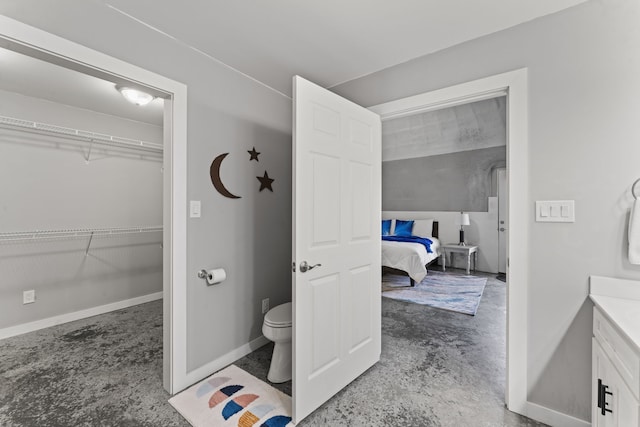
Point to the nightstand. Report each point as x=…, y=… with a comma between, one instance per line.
x=454, y=248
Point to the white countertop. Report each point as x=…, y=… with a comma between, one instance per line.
x=624, y=313
x=618, y=300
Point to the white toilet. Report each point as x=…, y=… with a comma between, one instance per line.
x=277, y=328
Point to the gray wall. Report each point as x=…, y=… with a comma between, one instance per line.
x=48, y=185
x=584, y=97
x=460, y=181
x=227, y=112
x=444, y=160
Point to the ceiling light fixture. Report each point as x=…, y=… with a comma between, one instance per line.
x=135, y=96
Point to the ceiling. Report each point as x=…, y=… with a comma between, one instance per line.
x=470, y=126
x=23, y=74
x=328, y=41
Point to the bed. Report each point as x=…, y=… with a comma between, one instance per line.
x=411, y=258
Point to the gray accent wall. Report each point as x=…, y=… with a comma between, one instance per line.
x=584, y=98
x=460, y=181
x=227, y=113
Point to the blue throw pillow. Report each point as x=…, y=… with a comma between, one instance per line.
x=403, y=228
x=386, y=227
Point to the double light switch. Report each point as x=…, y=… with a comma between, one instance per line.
x=555, y=211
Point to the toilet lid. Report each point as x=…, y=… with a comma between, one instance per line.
x=279, y=316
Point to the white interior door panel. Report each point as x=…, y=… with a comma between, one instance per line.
x=336, y=244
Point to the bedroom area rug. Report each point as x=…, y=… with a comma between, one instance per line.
x=233, y=397
x=461, y=294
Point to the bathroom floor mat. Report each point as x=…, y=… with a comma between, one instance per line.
x=233, y=397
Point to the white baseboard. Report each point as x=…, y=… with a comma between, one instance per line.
x=223, y=361
x=553, y=418
x=76, y=315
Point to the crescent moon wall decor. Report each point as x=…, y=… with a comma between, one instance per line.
x=214, y=172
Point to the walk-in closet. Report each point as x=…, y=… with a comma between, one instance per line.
x=81, y=186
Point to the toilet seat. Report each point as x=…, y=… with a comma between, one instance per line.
x=279, y=317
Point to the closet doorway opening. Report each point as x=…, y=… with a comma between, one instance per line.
x=95, y=186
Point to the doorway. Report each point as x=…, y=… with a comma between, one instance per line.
x=36, y=43
x=513, y=85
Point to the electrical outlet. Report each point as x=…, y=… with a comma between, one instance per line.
x=265, y=305
x=29, y=297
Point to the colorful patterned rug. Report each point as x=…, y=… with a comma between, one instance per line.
x=446, y=291
x=233, y=397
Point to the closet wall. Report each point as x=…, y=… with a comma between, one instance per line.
x=48, y=184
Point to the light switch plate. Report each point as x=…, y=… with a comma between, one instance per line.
x=555, y=211
x=194, y=209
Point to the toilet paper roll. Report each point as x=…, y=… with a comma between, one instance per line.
x=216, y=276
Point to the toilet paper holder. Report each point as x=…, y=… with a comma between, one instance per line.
x=213, y=277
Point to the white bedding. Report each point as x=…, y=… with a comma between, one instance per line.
x=409, y=257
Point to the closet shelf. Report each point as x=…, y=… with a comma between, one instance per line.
x=15, y=236
x=44, y=128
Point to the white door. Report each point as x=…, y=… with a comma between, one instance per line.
x=336, y=244
x=503, y=223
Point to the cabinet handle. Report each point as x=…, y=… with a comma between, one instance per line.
x=602, y=397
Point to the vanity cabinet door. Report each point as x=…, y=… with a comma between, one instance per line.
x=613, y=403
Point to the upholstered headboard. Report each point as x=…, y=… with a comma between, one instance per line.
x=424, y=232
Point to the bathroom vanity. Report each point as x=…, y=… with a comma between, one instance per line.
x=616, y=352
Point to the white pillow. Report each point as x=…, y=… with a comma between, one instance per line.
x=392, y=229
x=422, y=227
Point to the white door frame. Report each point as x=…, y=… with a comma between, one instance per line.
x=35, y=42
x=501, y=179
x=513, y=84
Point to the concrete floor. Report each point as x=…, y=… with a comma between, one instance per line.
x=437, y=368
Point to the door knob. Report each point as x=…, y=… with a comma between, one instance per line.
x=502, y=228
x=304, y=267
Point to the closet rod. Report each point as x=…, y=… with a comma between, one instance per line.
x=15, y=236
x=27, y=125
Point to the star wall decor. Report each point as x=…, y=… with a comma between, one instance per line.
x=254, y=154
x=265, y=182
